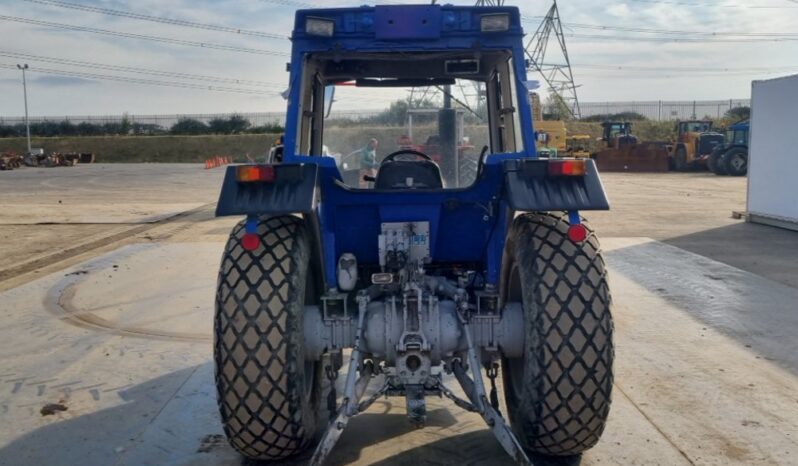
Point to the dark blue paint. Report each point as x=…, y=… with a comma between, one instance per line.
x=466, y=225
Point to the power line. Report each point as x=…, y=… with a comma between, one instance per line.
x=678, y=32
x=152, y=82
x=292, y=3
x=680, y=39
x=145, y=71
x=174, y=84
x=692, y=75
x=685, y=68
x=716, y=5
x=166, y=40
x=535, y=19
x=155, y=19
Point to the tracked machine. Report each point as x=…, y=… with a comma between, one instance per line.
x=621, y=151
x=408, y=288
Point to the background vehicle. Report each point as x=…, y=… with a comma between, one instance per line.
x=550, y=135
x=458, y=166
x=731, y=157
x=695, y=141
x=622, y=151
x=578, y=145
x=418, y=279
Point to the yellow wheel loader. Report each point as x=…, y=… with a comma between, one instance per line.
x=695, y=142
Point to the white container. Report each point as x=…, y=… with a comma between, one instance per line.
x=773, y=153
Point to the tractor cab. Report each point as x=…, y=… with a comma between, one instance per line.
x=617, y=134
x=738, y=134
x=413, y=72
x=688, y=129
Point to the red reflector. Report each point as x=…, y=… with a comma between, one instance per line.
x=567, y=168
x=250, y=241
x=577, y=233
x=251, y=173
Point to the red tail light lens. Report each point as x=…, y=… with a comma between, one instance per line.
x=567, y=168
x=250, y=241
x=254, y=173
x=577, y=233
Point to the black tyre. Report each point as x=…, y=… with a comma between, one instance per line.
x=558, y=394
x=467, y=167
x=735, y=161
x=680, y=160
x=267, y=393
x=714, y=162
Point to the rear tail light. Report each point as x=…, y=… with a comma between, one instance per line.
x=255, y=173
x=567, y=168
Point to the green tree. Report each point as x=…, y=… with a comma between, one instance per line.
x=738, y=113
x=189, y=126
x=125, y=126
x=556, y=108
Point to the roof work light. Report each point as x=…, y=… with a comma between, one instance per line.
x=495, y=22
x=319, y=27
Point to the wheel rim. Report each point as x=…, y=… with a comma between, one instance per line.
x=737, y=162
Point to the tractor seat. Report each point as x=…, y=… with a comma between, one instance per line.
x=405, y=174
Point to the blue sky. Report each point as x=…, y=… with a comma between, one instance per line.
x=649, y=70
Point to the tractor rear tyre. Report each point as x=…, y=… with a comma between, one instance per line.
x=267, y=393
x=680, y=160
x=558, y=394
x=714, y=163
x=467, y=167
x=735, y=161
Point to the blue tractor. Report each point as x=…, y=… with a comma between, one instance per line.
x=731, y=157
x=420, y=282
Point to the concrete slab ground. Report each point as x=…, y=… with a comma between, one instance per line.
x=119, y=333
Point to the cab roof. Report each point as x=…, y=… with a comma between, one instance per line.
x=440, y=26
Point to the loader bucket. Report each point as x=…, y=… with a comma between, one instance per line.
x=643, y=157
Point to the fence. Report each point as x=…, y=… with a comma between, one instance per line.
x=665, y=110
x=653, y=110
x=166, y=121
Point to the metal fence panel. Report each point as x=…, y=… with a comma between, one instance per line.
x=654, y=110
x=665, y=110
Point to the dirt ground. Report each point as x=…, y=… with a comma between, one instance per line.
x=107, y=277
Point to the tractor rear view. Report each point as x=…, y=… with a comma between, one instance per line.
x=417, y=285
x=623, y=152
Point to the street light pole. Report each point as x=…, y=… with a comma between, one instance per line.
x=25, y=92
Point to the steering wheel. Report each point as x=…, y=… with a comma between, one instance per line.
x=416, y=153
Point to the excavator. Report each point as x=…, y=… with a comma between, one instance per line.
x=620, y=151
